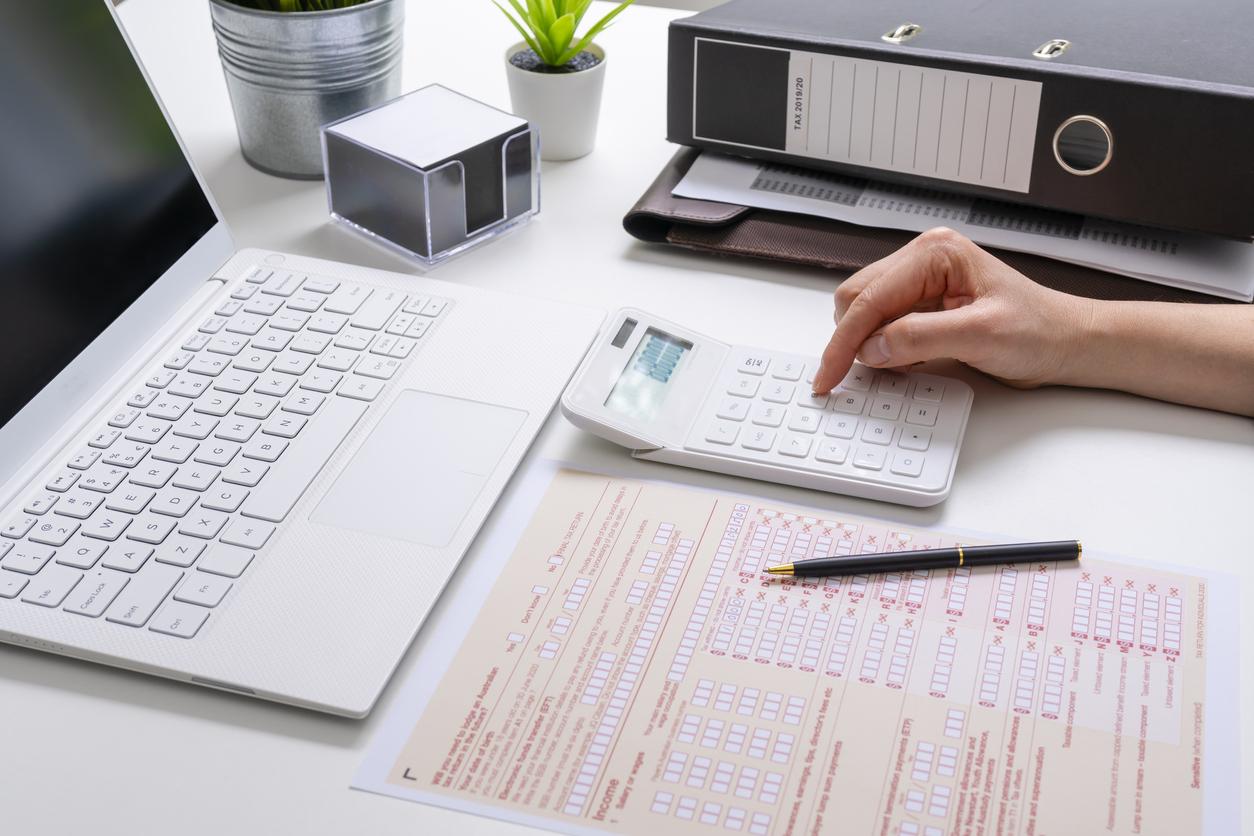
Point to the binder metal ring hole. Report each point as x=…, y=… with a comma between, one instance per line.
x=902, y=33
x=1050, y=50
x=1083, y=145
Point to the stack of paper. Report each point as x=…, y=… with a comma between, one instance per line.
x=1218, y=266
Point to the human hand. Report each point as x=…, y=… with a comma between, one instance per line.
x=943, y=296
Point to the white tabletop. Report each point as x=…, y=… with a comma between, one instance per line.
x=90, y=749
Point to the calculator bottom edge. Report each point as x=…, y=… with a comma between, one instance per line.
x=801, y=479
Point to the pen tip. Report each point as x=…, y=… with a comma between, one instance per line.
x=783, y=569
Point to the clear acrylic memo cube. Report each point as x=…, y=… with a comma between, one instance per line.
x=432, y=173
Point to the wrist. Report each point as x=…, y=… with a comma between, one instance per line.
x=1084, y=328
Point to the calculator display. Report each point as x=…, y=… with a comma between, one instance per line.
x=642, y=387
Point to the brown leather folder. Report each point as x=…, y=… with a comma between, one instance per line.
x=726, y=229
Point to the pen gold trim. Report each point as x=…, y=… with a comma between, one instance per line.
x=960, y=555
x=782, y=569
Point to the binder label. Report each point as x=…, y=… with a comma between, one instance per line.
x=956, y=126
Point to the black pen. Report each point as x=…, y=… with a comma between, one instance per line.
x=865, y=564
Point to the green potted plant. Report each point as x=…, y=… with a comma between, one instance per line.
x=555, y=76
x=292, y=66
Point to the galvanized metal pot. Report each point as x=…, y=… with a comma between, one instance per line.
x=290, y=73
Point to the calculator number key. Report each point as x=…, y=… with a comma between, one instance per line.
x=907, y=464
x=839, y=426
x=878, y=432
x=744, y=387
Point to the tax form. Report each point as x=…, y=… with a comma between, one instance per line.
x=621, y=664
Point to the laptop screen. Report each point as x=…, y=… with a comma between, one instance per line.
x=96, y=197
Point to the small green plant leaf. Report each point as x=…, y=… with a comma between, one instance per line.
x=560, y=33
x=546, y=51
x=550, y=14
x=522, y=30
x=597, y=28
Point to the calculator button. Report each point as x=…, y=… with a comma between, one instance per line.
x=805, y=421
x=833, y=452
x=734, y=409
x=929, y=390
x=722, y=432
x=922, y=413
x=858, y=379
x=806, y=399
x=869, y=458
x=788, y=369
x=779, y=392
x=878, y=432
x=768, y=415
x=851, y=402
x=893, y=384
x=753, y=364
x=797, y=446
x=907, y=464
x=838, y=426
x=759, y=440
x=914, y=439
x=743, y=387
x=887, y=408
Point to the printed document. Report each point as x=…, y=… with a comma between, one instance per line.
x=1217, y=266
x=618, y=662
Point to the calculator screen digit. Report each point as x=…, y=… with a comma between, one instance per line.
x=643, y=385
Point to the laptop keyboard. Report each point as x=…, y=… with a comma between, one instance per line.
x=159, y=516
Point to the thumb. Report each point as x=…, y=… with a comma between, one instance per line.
x=919, y=337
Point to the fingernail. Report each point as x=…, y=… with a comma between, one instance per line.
x=875, y=351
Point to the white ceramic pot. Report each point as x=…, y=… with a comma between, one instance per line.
x=564, y=106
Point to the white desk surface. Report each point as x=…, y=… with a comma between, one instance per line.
x=89, y=749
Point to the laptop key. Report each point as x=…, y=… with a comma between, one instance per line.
x=203, y=589
x=18, y=526
x=27, y=558
x=174, y=502
x=151, y=529
x=195, y=478
x=106, y=526
x=84, y=458
x=40, y=503
x=78, y=504
x=54, y=531
x=81, y=553
x=245, y=473
x=147, y=430
x=375, y=312
x=180, y=620
x=130, y=500
x=95, y=592
x=141, y=597
x=127, y=558
x=62, y=480
x=225, y=560
x=50, y=587
x=11, y=583
x=203, y=523
x=179, y=550
x=248, y=534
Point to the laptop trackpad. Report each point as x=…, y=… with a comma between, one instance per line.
x=421, y=468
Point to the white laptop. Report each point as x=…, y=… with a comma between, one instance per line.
x=244, y=469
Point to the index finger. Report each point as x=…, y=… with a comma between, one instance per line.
x=920, y=270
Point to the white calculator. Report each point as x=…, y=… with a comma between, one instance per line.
x=672, y=395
